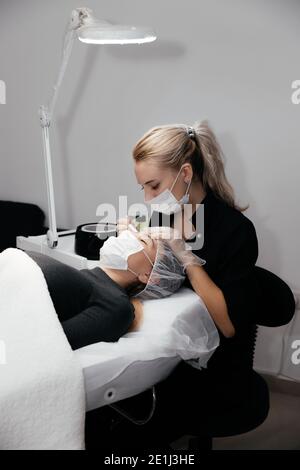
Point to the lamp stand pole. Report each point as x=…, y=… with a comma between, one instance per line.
x=52, y=238
x=46, y=112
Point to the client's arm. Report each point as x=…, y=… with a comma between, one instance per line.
x=138, y=312
x=102, y=321
x=89, y=305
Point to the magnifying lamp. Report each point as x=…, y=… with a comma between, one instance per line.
x=91, y=31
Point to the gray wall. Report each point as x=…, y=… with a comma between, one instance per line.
x=230, y=61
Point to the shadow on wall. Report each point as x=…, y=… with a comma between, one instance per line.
x=65, y=123
x=159, y=50
x=233, y=157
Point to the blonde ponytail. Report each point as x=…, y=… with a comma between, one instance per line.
x=213, y=175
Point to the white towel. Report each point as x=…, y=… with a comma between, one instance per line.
x=42, y=399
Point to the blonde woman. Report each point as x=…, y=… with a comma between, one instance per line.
x=176, y=164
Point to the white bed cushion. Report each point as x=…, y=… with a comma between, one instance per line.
x=174, y=328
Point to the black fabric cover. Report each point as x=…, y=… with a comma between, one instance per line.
x=19, y=218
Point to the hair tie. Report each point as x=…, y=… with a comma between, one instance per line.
x=191, y=132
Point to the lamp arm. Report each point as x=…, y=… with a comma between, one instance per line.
x=67, y=50
x=78, y=17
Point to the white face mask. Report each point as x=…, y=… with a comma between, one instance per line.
x=166, y=202
x=115, y=251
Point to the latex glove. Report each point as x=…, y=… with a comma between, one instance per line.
x=179, y=247
x=126, y=223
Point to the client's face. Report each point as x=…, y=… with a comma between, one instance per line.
x=140, y=262
x=130, y=256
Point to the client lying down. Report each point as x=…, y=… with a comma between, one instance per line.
x=103, y=303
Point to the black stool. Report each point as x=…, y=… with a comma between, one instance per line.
x=276, y=308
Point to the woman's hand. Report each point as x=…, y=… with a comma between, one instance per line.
x=138, y=315
x=179, y=247
x=126, y=223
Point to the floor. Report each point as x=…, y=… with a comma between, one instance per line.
x=280, y=431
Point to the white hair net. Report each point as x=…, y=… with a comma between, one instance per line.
x=166, y=277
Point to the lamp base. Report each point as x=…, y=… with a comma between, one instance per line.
x=64, y=252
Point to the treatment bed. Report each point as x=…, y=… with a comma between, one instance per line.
x=174, y=328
